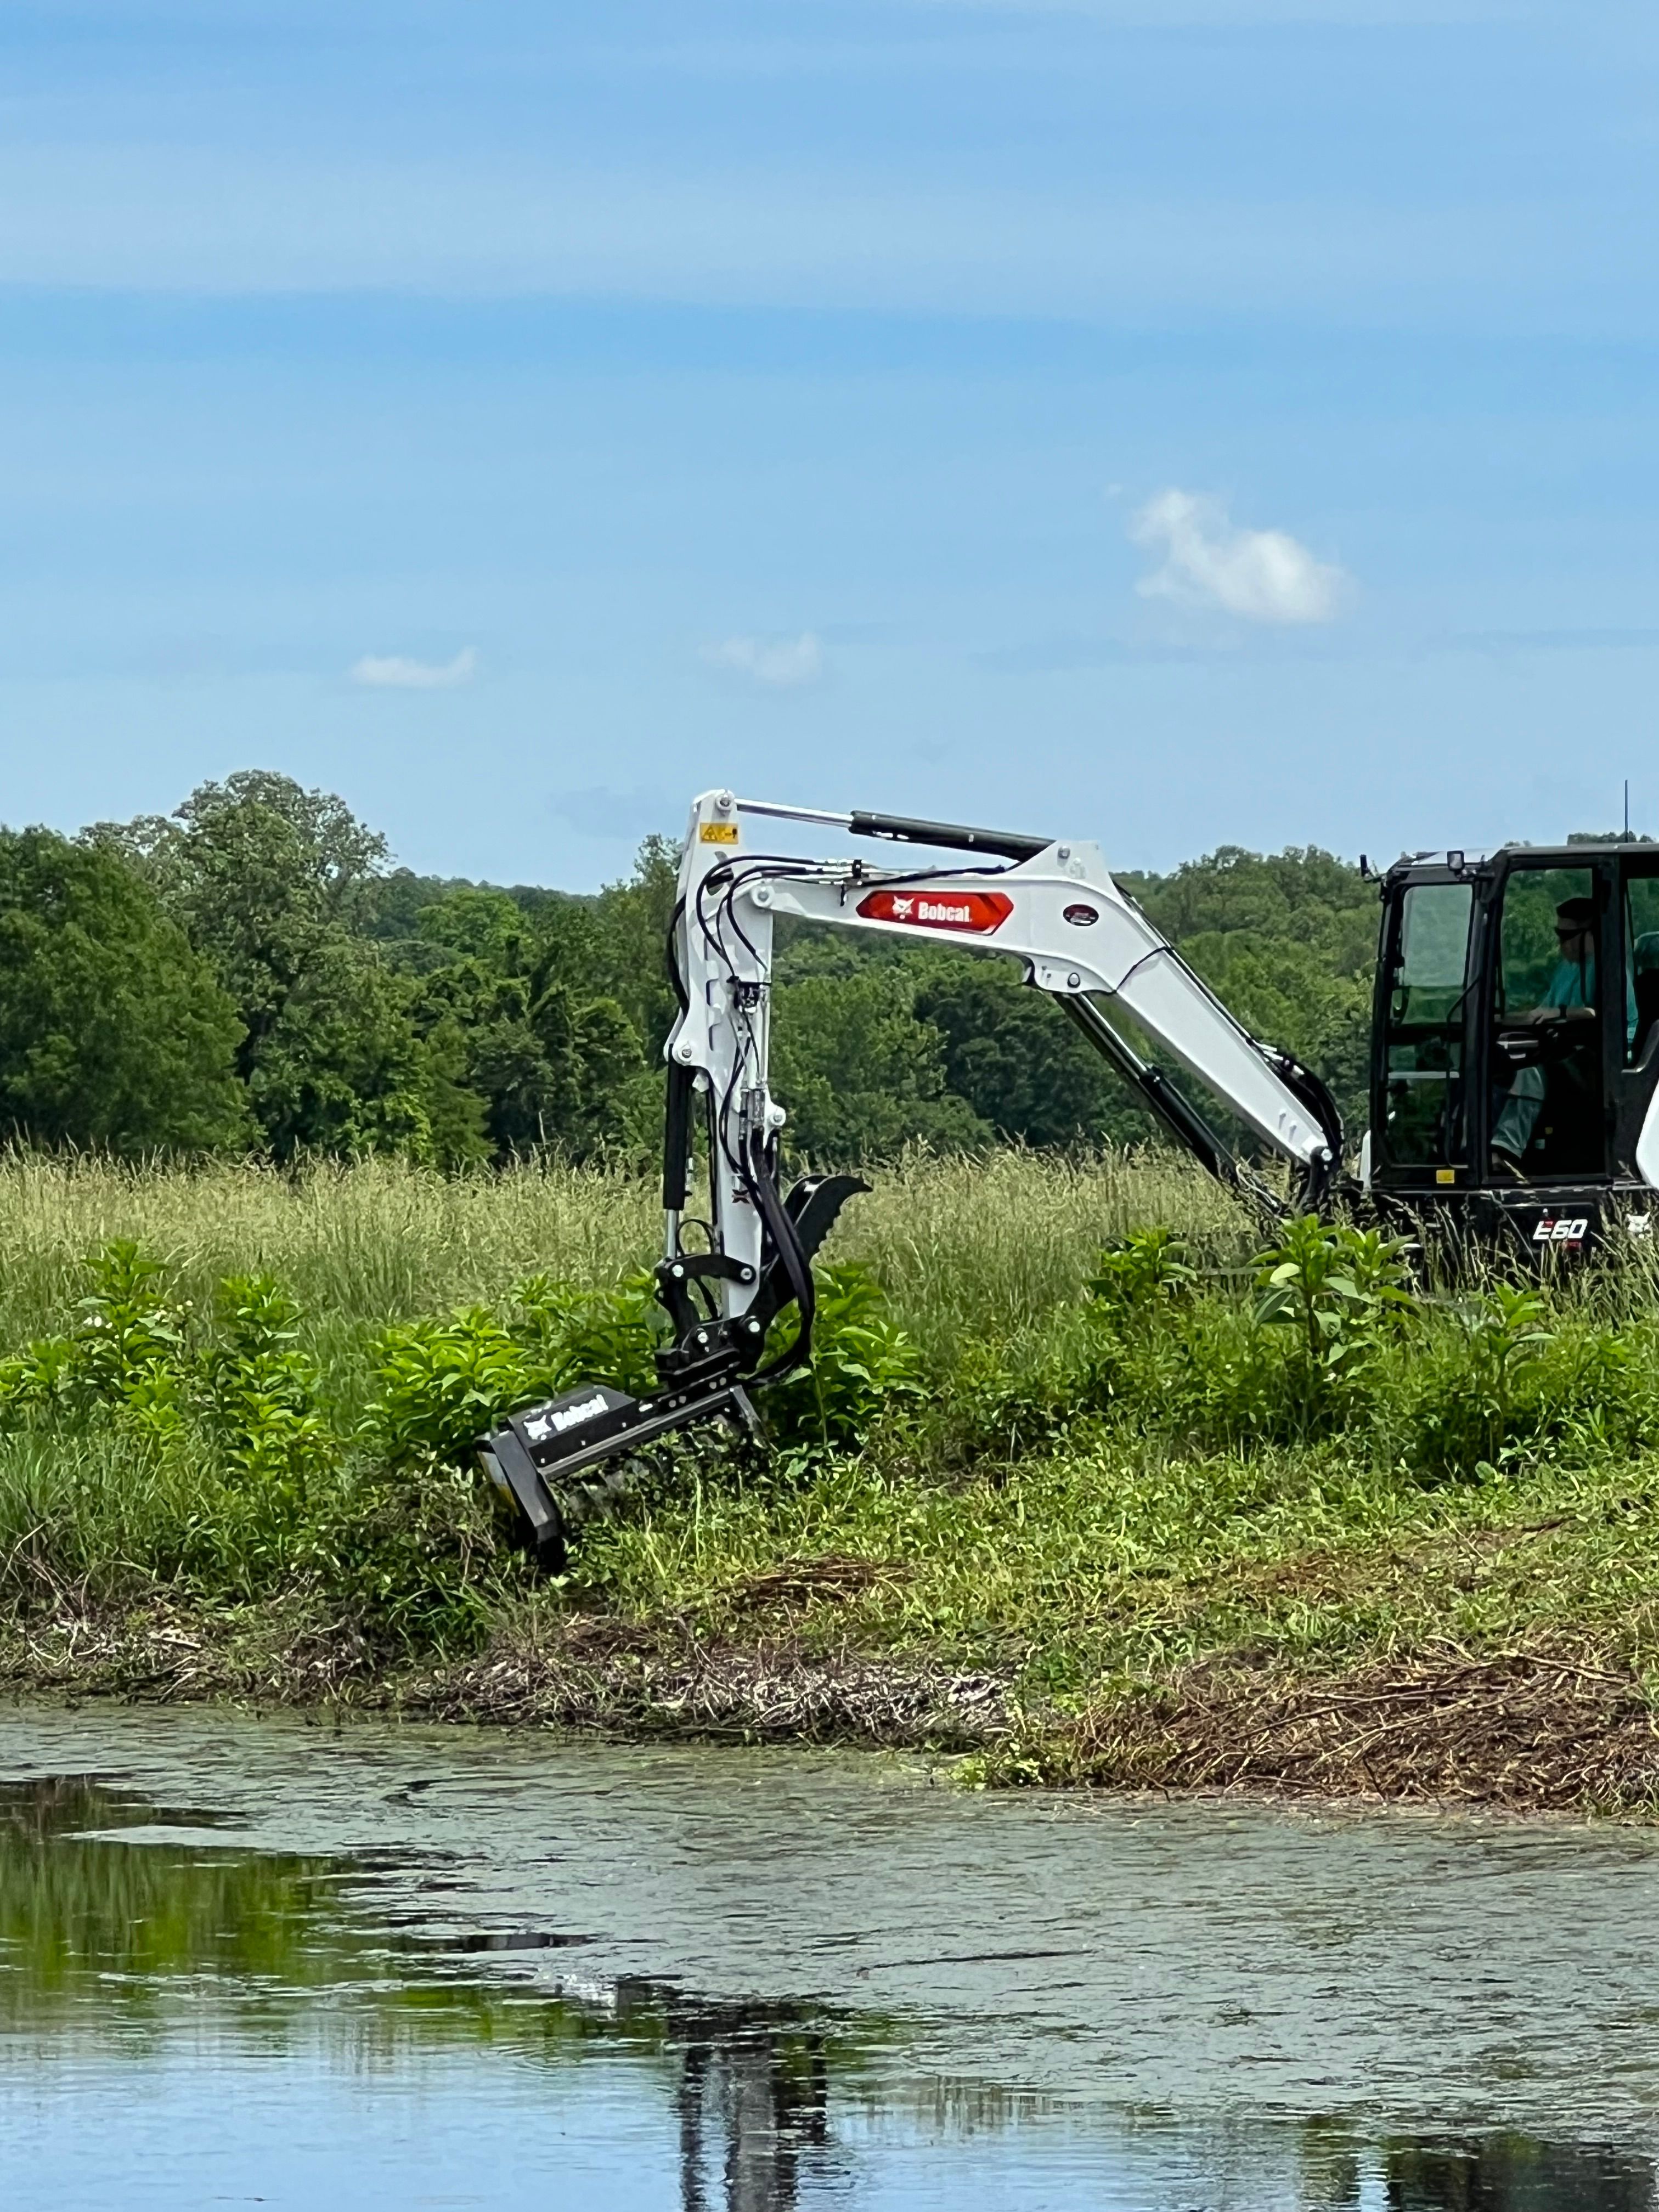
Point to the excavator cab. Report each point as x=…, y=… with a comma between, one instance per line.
x=1515, y=1040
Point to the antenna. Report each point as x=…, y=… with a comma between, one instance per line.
x=1627, y=809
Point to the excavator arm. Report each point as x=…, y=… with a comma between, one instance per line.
x=1052, y=906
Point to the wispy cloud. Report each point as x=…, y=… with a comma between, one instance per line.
x=394, y=671
x=1261, y=575
x=776, y=664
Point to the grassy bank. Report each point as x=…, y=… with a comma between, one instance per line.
x=1084, y=1484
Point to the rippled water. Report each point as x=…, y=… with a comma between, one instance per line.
x=254, y=1962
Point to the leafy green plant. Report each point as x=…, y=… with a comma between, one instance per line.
x=1217, y=1379
x=1138, y=1300
x=155, y=1403
x=1141, y=1275
x=998, y=1406
x=1507, y=1330
x=1470, y=1415
x=571, y=1334
x=1337, y=1290
x=35, y=1384
x=262, y=1394
x=125, y=1358
x=442, y=1384
x=129, y=1341
x=863, y=1364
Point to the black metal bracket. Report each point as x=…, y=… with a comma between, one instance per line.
x=704, y=1375
x=695, y=1332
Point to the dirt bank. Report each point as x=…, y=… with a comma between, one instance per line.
x=1553, y=1726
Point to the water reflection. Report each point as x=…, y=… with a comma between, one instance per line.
x=93, y=1920
x=1513, y=2173
x=758, y=2093
x=101, y=1941
x=278, y=1988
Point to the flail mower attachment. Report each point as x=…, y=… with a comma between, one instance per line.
x=706, y=1374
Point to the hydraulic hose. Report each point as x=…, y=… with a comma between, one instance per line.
x=763, y=1189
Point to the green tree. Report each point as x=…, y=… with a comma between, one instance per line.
x=1014, y=1058
x=393, y=903
x=457, y=1117
x=273, y=885
x=860, y=1075
x=472, y=921
x=261, y=873
x=113, y=1032
x=549, y=1061
x=341, y=1069
x=628, y=945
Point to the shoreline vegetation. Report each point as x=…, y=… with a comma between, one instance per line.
x=1085, y=1487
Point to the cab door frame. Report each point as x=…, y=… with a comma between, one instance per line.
x=1633, y=1087
x=1413, y=1180
x=1492, y=1074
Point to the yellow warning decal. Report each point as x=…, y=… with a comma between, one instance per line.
x=1445, y=1175
x=718, y=833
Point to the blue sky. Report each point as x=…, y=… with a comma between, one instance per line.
x=1174, y=423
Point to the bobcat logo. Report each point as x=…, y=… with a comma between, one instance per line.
x=902, y=908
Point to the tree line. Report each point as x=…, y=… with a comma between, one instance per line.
x=252, y=973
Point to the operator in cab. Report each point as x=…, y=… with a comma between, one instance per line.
x=1571, y=997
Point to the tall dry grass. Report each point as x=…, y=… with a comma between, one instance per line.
x=989, y=1246
x=374, y=1242
x=986, y=1244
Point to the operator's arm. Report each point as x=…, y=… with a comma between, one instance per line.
x=1567, y=999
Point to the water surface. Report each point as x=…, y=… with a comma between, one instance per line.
x=253, y=1960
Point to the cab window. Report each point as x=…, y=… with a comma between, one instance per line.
x=1534, y=901
x=1544, y=1107
x=1423, y=1124
x=1640, y=906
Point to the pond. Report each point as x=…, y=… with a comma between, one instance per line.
x=251, y=1961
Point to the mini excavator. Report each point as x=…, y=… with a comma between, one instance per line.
x=1515, y=1062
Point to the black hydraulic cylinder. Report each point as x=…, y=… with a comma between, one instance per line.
x=950, y=837
x=1177, y=1114
x=677, y=1139
x=1189, y=1124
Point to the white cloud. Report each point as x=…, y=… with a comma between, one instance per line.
x=1263, y=575
x=778, y=664
x=394, y=671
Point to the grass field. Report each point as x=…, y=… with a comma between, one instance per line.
x=1188, y=1514
x=963, y=1245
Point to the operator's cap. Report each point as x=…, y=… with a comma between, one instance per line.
x=1574, y=913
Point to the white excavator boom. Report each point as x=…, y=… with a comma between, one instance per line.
x=1051, y=906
